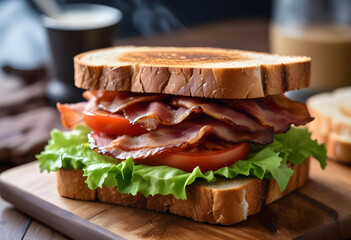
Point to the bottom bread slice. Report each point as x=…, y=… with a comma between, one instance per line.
x=222, y=202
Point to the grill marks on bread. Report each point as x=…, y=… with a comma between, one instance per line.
x=180, y=57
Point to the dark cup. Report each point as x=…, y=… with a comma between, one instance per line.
x=80, y=30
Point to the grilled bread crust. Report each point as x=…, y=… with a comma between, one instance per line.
x=198, y=72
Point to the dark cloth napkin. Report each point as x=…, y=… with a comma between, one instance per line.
x=26, y=119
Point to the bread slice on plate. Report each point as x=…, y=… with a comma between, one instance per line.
x=332, y=124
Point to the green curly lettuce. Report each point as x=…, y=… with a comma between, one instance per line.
x=71, y=150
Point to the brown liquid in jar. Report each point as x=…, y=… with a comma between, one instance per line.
x=328, y=45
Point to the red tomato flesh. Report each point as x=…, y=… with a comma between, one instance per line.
x=113, y=124
x=206, y=160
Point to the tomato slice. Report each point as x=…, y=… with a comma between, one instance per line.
x=109, y=123
x=70, y=114
x=206, y=160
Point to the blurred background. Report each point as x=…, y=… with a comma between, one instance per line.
x=23, y=41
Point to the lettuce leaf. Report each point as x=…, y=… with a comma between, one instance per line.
x=71, y=150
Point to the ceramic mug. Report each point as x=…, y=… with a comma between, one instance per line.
x=77, y=28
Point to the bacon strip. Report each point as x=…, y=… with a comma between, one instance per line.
x=174, y=138
x=99, y=141
x=276, y=112
x=149, y=115
x=220, y=112
x=123, y=100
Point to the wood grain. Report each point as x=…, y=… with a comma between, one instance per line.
x=13, y=224
x=38, y=231
x=319, y=210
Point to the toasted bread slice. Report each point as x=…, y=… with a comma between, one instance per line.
x=226, y=201
x=332, y=124
x=198, y=72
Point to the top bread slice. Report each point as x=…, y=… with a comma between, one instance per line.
x=198, y=72
x=332, y=124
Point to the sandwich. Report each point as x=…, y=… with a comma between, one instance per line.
x=203, y=133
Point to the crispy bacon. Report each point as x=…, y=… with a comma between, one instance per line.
x=220, y=112
x=122, y=100
x=150, y=114
x=272, y=112
x=98, y=141
x=276, y=112
x=175, y=137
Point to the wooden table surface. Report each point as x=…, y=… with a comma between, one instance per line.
x=243, y=34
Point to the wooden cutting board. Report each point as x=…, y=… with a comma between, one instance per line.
x=319, y=210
